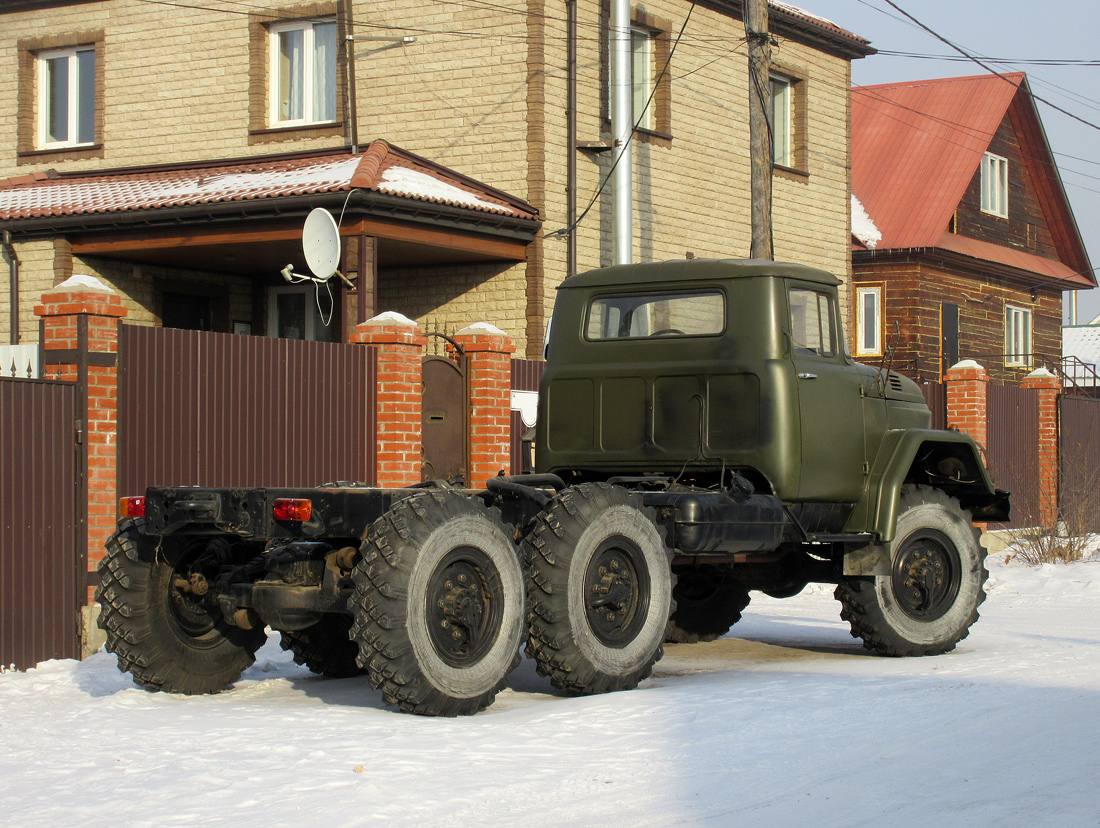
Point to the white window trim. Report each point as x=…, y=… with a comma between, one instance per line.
x=781, y=130
x=73, y=92
x=642, y=88
x=994, y=185
x=306, y=27
x=1017, y=337
x=861, y=323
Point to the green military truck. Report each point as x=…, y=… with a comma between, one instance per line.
x=702, y=433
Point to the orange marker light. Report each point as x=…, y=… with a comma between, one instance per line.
x=131, y=507
x=291, y=508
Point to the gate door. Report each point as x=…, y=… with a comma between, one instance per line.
x=445, y=432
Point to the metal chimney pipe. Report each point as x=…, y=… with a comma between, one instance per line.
x=622, y=128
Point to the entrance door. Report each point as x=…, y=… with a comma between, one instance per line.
x=949, y=336
x=444, y=419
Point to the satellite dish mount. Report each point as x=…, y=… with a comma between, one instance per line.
x=321, y=246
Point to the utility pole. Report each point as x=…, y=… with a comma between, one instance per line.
x=760, y=129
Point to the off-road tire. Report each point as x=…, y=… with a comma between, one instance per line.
x=708, y=603
x=326, y=647
x=164, y=641
x=591, y=544
x=930, y=600
x=437, y=557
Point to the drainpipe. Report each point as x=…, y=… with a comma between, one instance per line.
x=622, y=128
x=13, y=287
x=571, y=136
x=349, y=50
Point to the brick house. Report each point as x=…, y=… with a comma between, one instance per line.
x=172, y=151
x=975, y=236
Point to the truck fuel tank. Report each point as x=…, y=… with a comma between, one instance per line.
x=714, y=522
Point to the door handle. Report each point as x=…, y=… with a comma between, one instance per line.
x=805, y=375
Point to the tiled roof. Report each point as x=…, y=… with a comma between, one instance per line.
x=380, y=168
x=818, y=21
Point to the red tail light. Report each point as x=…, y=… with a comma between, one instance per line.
x=291, y=508
x=131, y=507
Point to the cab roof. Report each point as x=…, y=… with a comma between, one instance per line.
x=685, y=270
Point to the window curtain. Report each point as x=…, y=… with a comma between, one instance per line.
x=291, y=69
x=85, y=101
x=324, y=72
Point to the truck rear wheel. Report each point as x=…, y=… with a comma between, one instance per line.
x=708, y=603
x=159, y=623
x=929, y=601
x=600, y=590
x=326, y=647
x=438, y=605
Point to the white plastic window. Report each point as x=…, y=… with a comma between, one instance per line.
x=781, y=121
x=1017, y=337
x=66, y=98
x=303, y=73
x=995, y=185
x=869, y=321
x=641, y=69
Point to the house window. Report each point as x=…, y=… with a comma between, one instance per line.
x=995, y=185
x=869, y=321
x=66, y=98
x=781, y=121
x=1017, y=337
x=641, y=72
x=303, y=73
x=812, y=323
x=300, y=312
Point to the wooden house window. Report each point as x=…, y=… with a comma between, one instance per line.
x=869, y=321
x=1017, y=337
x=995, y=185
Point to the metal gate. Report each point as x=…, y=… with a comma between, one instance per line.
x=1012, y=453
x=211, y=409
x=42, y=547
x=444, y=433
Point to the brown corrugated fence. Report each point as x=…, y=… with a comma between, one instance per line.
x=210, y=409
x=42, y=549
x=1012, y=455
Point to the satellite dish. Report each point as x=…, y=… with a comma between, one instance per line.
x=321, y=243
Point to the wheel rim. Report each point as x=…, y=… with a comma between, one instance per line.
x=616, y=589
x=463, y=618
x=927, y=575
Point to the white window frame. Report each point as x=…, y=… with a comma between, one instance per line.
x=868, y=336
x=995, y=185
x=312, y=316
x=73, y=108
x=782, y=91
x=306, y=27
x=641, y=76
x=1017, y=337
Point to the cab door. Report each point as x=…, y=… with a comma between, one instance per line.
x=830, y=399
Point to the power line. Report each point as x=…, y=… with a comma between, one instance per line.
x=1016, y=61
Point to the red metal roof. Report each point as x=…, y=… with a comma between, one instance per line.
x=381, y=168
x=916, y=147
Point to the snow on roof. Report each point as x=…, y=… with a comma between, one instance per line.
x=863, y=226
x=1083, y=342
x=406, y=182
x=801, y=12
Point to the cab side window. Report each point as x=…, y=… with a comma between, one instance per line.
x=812, y=323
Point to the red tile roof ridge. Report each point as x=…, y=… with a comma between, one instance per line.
x=366, y=174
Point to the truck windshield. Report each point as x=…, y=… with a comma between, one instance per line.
x=656, y=314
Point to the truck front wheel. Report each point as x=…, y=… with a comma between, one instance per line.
x=438, y=604
x=708, y=603
x=600, y=590
x=159, y=618
x=928, y=602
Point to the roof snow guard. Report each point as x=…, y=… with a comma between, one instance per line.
x=381, y=169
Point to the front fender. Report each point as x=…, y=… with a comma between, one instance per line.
x=906, y=455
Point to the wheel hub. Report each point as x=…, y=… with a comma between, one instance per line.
x=927, y=575
x=462, y=617
x=616, y=592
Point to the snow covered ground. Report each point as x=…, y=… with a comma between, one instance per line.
x=785, y=722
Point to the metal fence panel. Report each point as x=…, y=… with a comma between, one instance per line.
x=1079, y=461
x=42, y=554
x=199, y=408
x=935, y=396
x=1012, y=453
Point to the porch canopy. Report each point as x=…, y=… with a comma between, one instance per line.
x=245, y=216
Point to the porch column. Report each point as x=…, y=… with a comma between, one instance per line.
x=489, y=364
x=399, y=395
x=1048, y=387
x=967, y=382
x=80, y=340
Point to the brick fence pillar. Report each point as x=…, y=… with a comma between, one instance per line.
x=1047, y=386
x=400, y=394
x=80, y=340
x=489, y=369
x=967, y=384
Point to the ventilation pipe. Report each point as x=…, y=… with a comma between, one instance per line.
x=622, y=129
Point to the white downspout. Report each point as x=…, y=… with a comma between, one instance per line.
x=622, y=128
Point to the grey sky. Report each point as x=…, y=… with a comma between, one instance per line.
x=1016, y=32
